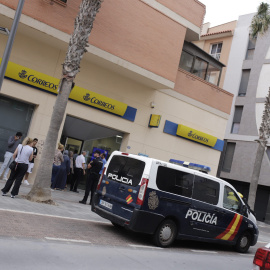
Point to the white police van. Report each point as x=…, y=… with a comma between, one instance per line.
x=169, y=201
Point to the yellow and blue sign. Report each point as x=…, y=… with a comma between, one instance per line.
x=193, y=135
x=154, y=120
x=50, y=84
x=196, y=135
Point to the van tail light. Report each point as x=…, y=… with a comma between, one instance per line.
x=100, y=179
x=125, y=154
x=142, y=191
x=262, y=258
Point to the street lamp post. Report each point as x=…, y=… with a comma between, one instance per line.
x=10, y=41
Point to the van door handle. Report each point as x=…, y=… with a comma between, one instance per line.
x=122, y=188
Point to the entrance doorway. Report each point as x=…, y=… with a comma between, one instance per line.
x=14, y=116
x=86, y=136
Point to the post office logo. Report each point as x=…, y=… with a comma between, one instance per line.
x=22, y=74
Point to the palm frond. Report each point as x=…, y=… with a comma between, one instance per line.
x=261, y=21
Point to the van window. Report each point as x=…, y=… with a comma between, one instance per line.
x=230, y=200
x=125, y=170
x=206, y=190
x=174, y=181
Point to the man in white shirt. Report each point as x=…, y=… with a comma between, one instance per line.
x=79, y=172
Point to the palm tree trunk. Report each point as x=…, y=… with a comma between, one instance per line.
x=256, y=175
x=77, y=47
x=41, y=190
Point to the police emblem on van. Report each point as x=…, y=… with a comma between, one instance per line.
x=124, y=180
x=201, y=216
x=153, y=201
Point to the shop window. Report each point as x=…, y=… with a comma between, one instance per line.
x=251, y=48
x=205, y=190
x=244, y=82
x=213, y=74
x=228, y=157
x=215, y=50
x=200, y=68
x=186, y=61
x=60, y=2
x=237, y=119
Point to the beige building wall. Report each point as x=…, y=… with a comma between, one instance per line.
x=133, y=58
x=139, y=138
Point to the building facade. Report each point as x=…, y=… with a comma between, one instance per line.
x=130, y=95
x=247, y=77
x=217, y=42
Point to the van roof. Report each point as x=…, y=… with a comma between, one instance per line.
x=147, y=159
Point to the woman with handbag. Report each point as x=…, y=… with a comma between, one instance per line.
x=22, y=155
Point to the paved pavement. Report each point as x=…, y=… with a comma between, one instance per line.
x=67, y=204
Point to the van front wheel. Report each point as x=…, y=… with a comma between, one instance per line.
x=243, y=243
x=165, y=233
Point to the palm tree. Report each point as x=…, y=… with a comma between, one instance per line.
x=77, y=47
x=259, y=26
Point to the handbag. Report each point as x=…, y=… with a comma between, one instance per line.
x=13, y=164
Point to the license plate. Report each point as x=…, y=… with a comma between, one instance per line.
x=105, y=204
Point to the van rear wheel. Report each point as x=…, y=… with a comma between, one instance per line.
x=243, y=242
x=165, y=233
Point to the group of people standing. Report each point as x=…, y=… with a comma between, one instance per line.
x=22, y=157
x=66, y=166
x=61, y=168
x=71, y=166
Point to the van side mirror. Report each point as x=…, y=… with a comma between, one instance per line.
x=244, y=210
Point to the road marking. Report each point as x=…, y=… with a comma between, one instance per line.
x=262, y=242
x=141, y=246
x=67, y=240
x=203, y=251
x=247, y=255
x=46, y=215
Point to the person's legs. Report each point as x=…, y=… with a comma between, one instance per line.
x=10, y=181
x=87, y=189
x=55, y=171
x=21, y=170
x=78, y=180
x=73, y=179
x=93, y=188
x=29, y=170
x=7, y=160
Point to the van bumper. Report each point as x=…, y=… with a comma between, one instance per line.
x=141, y=221
x=255, y=239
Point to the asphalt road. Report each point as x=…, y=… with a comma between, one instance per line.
x=53, y=254
x=69, y=236
x=30, y=241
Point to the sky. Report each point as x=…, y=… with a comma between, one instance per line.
x=222, y=11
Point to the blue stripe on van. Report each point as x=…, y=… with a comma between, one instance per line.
x=171, y=128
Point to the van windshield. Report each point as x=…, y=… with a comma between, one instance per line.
x=125, y=170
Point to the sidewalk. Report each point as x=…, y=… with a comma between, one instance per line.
x=67, y=204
